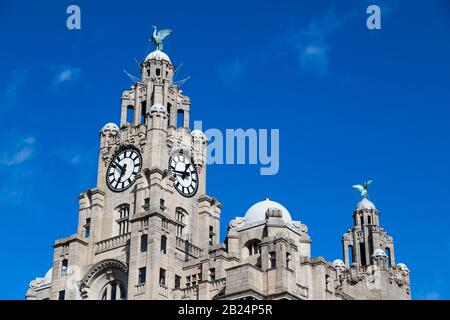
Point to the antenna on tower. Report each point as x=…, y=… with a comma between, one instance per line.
x=178, y=68
x=132, y=78
x=137, y=62
x=179, y=83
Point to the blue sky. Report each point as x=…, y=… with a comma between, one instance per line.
x=351, y=104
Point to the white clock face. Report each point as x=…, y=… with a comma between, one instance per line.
x=185, y=172
x=123, y=169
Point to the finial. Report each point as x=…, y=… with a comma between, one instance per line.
x=158, y=37
x=363, y=189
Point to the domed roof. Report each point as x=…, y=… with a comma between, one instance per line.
x=365, y=204
x=379, y=253
x=110, y=126
x=157, y=108
x=48, y=276
x=257, y=212
x=158, y=55
x=403, y=266
x=198, y=134
x=338, y=263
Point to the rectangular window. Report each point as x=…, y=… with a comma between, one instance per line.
x=212, y=274
x=211, y=236
x=87, y=228
x=62, y=295
x=194, y=279
x=142, y=272
x=144, y=241
x=179, y=231
x=177, y=281
x=163, y=244
x=162, y=277
x=188, y=281
x=273, y=260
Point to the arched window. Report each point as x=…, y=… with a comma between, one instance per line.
x=114, y=290
x=163, y=244
x=64, y=266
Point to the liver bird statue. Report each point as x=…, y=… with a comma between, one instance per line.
x=363, y=189
x=159, y=36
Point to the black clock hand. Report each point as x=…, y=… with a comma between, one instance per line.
x=123, y=171
x=185, y=170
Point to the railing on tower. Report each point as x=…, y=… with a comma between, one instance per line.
x=185, y=245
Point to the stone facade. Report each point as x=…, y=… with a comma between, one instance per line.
x=151, y=242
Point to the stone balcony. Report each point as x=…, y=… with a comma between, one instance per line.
x=191, y=251
x=112, y=243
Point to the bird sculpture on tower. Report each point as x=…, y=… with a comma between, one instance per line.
x=159, y=36
x=363, y=189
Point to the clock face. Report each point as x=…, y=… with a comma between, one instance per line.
x=185, y=172
x=123, y=169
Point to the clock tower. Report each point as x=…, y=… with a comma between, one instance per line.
x=149, y=212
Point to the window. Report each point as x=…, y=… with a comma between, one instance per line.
x=288, y=260
x=162, y=277
x=180, y=231
x=350, y=255
x=211, y=235
x=142, y=272
x=146, y=203
x=180, y=119
x=362, y=250
x=62, y=295
x=87, y=228
x=130, y=114
x=144, y=241
x=114, y=290
x=162, y=203
x=180, y=216
x=369, y=220
x=143, y=111
x=64, y=265
x=273, y=260
x=212, y=274
x=158, y=72
x=388, y=255
x=253, y=247
x=177, y=281
x=188, y=281
x=123, y=213
x=327, y=283
x=163, y=244
x=361, y=219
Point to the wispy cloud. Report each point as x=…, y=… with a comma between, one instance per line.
x=22, y=152
x=433, y=295
x=16, y=81
x=230, y=73
x=311, y=43
x=65, y=74
x=75, y=155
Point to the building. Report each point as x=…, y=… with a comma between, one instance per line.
x=148, y=230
